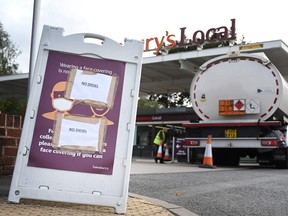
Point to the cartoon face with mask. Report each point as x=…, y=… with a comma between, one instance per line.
x=59, y=103
x=64, y=105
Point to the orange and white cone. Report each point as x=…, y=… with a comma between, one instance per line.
x=159, y=153
x=208, y=159
x=166, y=155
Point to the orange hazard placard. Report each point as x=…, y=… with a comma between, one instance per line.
x=232, y=107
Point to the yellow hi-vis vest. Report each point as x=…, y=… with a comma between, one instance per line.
x=157, y=139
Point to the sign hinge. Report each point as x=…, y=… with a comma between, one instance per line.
x=26, y=149
x=97, y=193
x=44, y=187
x=124, y=162
x=32, y=114
x=128, y=127
x=132, y=93
x=39, y=79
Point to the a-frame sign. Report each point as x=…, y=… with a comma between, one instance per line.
x=77, y=138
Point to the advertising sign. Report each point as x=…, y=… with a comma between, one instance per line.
x=77, y=139
x=180, y=150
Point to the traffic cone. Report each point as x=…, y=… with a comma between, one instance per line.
x=166, y=155
x=208, y=159
x=159, y=153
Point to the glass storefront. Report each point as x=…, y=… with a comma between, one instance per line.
x=149, y=122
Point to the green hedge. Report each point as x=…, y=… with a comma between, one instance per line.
x=13, y=106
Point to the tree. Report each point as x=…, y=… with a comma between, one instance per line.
x=8, y=66
x=168, y=100
x=144, y=103
x=8, y=54
x=13, y=106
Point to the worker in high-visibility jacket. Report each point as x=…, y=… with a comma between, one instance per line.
x=159, y=140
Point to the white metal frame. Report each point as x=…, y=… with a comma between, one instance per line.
x=80, y=187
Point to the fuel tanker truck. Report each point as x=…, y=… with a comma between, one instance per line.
x=242, y=101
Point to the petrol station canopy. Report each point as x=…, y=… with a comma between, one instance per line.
x=171, y=72
x=174, y=72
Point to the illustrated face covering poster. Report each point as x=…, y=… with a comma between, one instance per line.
x=78, y=114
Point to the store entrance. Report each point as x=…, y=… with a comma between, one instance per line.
x=143, y=147
x=149, y=122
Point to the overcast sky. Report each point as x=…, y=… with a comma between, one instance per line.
x=256, y=20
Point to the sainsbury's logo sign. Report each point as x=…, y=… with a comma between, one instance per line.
x=199, y=37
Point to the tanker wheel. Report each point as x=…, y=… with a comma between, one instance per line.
x=282, y=164
x=232, y=158
x=226, y=157
x=218, y=157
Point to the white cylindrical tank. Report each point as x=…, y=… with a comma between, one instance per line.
x=239, y=87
